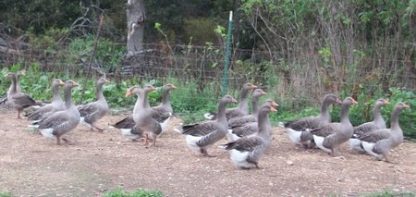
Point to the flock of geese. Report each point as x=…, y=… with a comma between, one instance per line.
x=249, y=134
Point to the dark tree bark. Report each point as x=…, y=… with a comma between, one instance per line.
x=135, y=25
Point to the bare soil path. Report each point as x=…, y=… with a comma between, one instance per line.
x=31, y=165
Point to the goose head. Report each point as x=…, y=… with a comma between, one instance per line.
x=102, y=80
x=331, y=99
x=249, y=86
x=382, y=102
x=57, y=82
x=71, y=84
x=402, y=105
x=271, y=103
x=169, y=86
x=349, y=101
x=258, y=93
x=11, y=75
x=228, y=99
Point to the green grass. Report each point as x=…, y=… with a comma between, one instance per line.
x=5, y=194
x=388, y=193
x=137, y=193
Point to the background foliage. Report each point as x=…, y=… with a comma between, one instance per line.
x=296, y=50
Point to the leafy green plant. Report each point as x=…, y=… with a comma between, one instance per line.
x=137, y=193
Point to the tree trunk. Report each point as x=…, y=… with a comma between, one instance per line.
x=135, y=26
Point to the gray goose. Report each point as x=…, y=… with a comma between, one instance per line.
x=63, y=121
x=379, y=142
x=237, y=121
x=298, y=130
x=202, y=135
x=242, y=108
x=246, y=152
x=331, y=135
x=162, y=113
x=17, y=99
x=377, y=123
x=92, y=112
x=127, y=125
x=249, y=128
x=143, y=116
x=56, y=104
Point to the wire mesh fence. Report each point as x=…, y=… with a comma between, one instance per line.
x=300, y=81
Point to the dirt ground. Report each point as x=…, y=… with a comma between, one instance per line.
x=31, y=165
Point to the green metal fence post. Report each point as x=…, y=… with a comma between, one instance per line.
x=227, y=55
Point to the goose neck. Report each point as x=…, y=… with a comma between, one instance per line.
x=166, y=97
x=99, y=94
x=14, y=84
x=263, y=121
x=243, y=99
x=345, y=113
x=395, y=119
x=324, y=110
x=68, y=97
x=254, y=103
x=55, y=93
x=221, y=112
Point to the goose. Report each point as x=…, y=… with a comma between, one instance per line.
x=242, y=108
x=162, y=113
x=377, y=123
x=3, y=99
x=237, y=121
x=92, y=112
x=15, y=97
x=63, y=121
x=57, y=104
x=331, y=135
x=143, y=116
x=202, y=135
x=127, y=125
x=246, y=152
x=378, y=143
x=249, y=128
x=298, y=130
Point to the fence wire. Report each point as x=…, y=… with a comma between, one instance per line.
x=302, y=80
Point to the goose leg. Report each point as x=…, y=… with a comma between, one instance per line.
x=388, y=160
x=146, y=140
x=97, y=128
x=58, y=140
x=205, y=153
x=249, y=160
x=334, y=152
x=67, y=141
x=18, y=113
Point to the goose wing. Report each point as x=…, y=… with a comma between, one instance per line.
x=364, y=128
x=245, y=144
x=303, y=124
x=376, y=135
x=200, y=129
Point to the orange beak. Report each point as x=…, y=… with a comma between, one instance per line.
x=129, y=92
x=274, y=104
